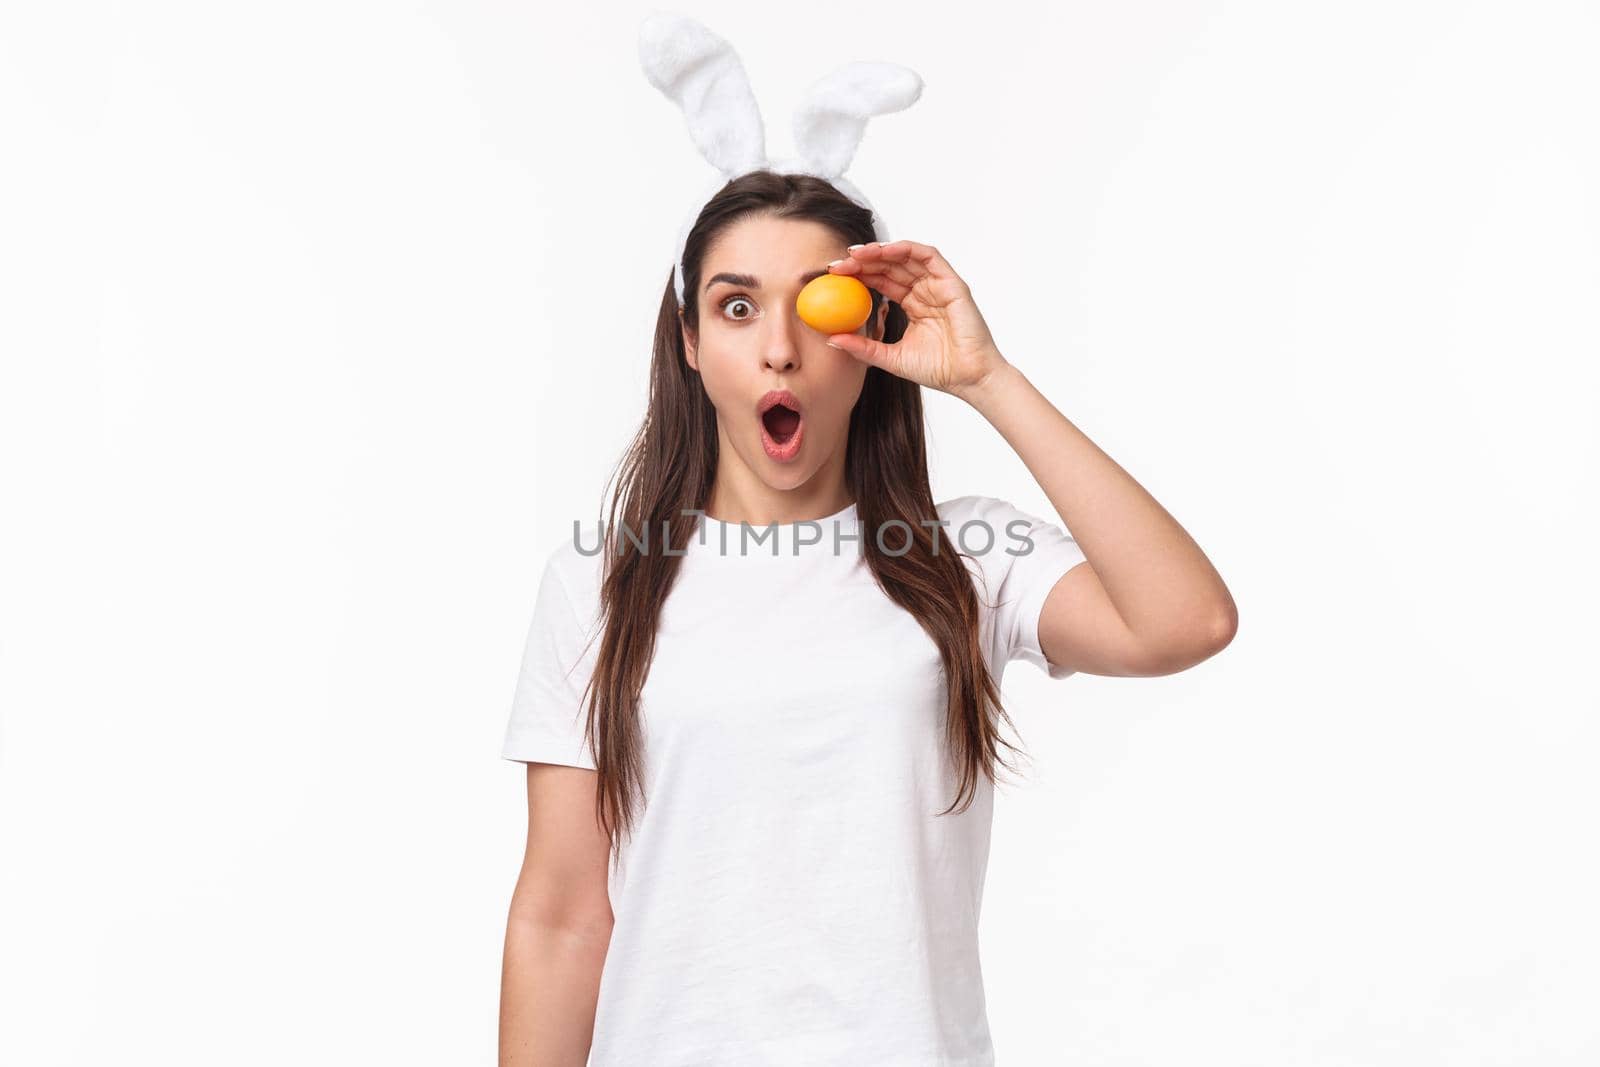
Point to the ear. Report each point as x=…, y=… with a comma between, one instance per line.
x=881, y=319
x=690, y=343
x=702, y=74
x=833, y=112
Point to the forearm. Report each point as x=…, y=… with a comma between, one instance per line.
x=550, y=982
x=1152, y=570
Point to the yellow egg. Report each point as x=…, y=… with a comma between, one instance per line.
x=834, y=303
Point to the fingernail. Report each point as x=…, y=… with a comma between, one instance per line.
x=834, y=262
x=852, y=248
x=830, y=344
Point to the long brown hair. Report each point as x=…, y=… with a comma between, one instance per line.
x=669, y=468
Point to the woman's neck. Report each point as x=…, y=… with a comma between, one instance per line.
x=761, y=505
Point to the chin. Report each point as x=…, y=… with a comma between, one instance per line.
x=785, y=477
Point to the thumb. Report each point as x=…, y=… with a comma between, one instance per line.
x=865, y=349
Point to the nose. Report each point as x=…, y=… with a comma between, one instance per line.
x=781, y=351
x=783, y=360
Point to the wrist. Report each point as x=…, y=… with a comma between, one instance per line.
x=994, y=381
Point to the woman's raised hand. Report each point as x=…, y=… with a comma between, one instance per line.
x=946, y=345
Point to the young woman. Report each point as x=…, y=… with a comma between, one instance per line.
x=761, y=758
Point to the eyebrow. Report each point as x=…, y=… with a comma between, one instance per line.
x=750, y=281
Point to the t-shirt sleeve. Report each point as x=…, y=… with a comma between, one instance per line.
x=1028, y=556
x=547, y=712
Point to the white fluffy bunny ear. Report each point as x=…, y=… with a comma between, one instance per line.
x=833, y=114
x=702, y=74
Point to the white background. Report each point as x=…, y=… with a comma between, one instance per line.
x=322, y=321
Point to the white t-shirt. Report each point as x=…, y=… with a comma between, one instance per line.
x=788, y=895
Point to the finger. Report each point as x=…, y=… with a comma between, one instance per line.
x=866, y=349
x=907, y=261
x=886, y=269
x=893, y=283
x=887, y=286
x=911, y=253
x=917, y=266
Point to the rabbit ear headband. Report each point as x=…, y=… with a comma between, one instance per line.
x=701, y=73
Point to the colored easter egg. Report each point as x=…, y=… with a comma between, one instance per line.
x=834, y=303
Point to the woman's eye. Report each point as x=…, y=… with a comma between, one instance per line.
x=734, y=301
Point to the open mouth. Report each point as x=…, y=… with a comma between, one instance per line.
x=782, y=425
x=781, y=422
